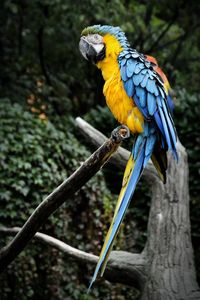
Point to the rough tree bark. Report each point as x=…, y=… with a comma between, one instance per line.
x=168, y=251
x=165, y=268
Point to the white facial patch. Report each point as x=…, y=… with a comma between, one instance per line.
x=92, y=45
x=96, y=40
x=98, y=47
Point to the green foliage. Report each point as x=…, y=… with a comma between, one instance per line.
x=47, y=83
x=35, y=157
x=188, y=126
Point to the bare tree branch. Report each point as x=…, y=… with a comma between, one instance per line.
x=123, y=267
x=78, y=255
x=71, y=185
x=120, y=157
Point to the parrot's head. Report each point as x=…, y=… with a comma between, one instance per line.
x=98, y=41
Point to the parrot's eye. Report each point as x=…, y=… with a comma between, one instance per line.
x=96, y=38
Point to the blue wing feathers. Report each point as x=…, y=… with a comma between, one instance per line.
x=165, y=128
x=160, y=126
x=172, y=131
x=137, y=146
x=141, y=93
x=149, y=144
x=149, y=95
x=123, y=73
x=151, y=103
x=138, y=68
x=136, y=80
x=170, y=104
x=162, y=92
x=159, y=101
x=170, y=124
x=151, y=87
x=131, y=64
x=123, y=62
x=129, y=87
x=144, y=81
x=142, y=109
x=128, y=55
x=140, y=77
x=135, y=54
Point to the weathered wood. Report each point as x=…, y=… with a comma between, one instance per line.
x=96, y=138
x=57, y=244
x=71, y=185
x=170, y=267
x=120, y=157
x=123, y=267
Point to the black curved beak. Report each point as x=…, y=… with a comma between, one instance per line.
x=89, y=52
x=86, y=49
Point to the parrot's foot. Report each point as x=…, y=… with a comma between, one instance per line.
x=120, y=133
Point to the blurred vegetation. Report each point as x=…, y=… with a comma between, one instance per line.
x=45, y=83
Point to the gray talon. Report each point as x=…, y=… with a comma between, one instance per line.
x=122, y=132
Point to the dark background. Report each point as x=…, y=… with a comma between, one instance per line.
x=44, y=85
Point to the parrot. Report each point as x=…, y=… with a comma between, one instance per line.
x=138, y=94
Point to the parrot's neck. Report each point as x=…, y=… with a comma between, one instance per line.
x=122, y=106
x=109, y=65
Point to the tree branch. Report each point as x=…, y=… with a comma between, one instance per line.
x=78, y=255
x=182, y=36
x=120, y=157
x=71, y=185
x=123, y=267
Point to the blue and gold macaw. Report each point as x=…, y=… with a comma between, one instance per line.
x=137, y=93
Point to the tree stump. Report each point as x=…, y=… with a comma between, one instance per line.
x=170, y=271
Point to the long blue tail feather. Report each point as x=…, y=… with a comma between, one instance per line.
x=142, y=151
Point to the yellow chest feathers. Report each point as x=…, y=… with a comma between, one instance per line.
x=122, y=106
